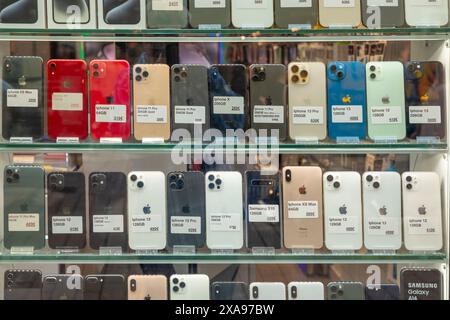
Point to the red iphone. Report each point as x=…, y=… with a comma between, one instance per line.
x=67, y=99
x=110, y=99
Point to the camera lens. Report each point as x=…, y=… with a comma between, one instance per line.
x=295, y=69
x=211, y=178
x=184, y=74
x=373, y=76
x=177, y=79
x=145, y=74
x=133, y=178
x=176, y=70
x=138, y=78
x=333, y=68
x=180, y=184
x=304, y=74
x=176, y=289
x=409, y=186
x=340, y=293
x=376, y=185
x=173, y=185
x=330, y=178
x=138, y=70
x=255, y=78
x=10, y=283
x=133, y=285
x=333, y=289
x=96, y=74
x=182, y=285
x=53, y=186
x=52, y=67
x=95, y=66
x=340, y=74
x=175, y=281
x=372, y=68
x=172, y=177
x=219, y=182
x=337, y=185
x=411, y=68
x=9, y=172
x=369, y=178
x=10, y=276
x=408, y=178
x=16, y=176
x=211, y=186
x=140, y=184
x=9, y=180
x=295, y=79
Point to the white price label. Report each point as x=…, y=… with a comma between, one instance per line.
x=146, y=223
x=426, y=3
x=185, y=225
x=423, y=226
x=303, y=209
x=225, y=222
x=383, y=226
x=228, y=105
x=111, y=113
x=25, y=98
x=151, y=114
x=203, y=4
x=296, y=3
x=347, y=114
x=253, y=4
x=386, y=115
x=268, y=114
x=425, y=114
x=264, y=213
x=67, y=225
x=343, y=225
x=108, y=223
x=167, y=5
x=23, y=222
x=308, y=115
x=66, y=101
x=339, y=3
x=190, y=114
x=382, y=3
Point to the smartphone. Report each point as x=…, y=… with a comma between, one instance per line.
x=342, y=210
x=306, y=291
x=125, y=12
x=229, y=291
x=263, y=210
x=228, y=97
x=252, y=14
x=23, y=103
x=426, y=13
x=67, y=99
x=145, y=287
x=383, y=292
x=422, y=211
x=421, y=284
x=302, y=207
x=267, y=291
x=108, y=210
x=383, y=13
x=19, y=12
x=186, y=209
x=385, y=100
x=189, y=287
x=163, y=14
x=110, y=99
x=62, y=11
x=425, y=99
x=190, y=98
x=339, y=13
x=147, y=210
x=307, y=87
x=62, y=287
x=105, y=287
x=382, y=205
x=22, y=285
x=347, y=112
x=345, y=291
x=268, y=98
x=151, y=101
x=66, y=205
x=291, y=14
x=224, y=211
x=204, y=13
x=24, y=207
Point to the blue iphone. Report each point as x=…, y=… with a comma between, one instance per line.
x=347, y=107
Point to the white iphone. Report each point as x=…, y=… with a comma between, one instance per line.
x=267, y=291
x=422, y=211
x=252, y=14
x=224, y=211
x=306, y=291
x=147, y=210
x=382, y=194
x=426, y=13
x=189, y=287
x=342, y=210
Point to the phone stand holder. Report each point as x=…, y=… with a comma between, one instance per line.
x=385, y=140
x=267, y=251
x=22, y=251
x=152, y=140
x=384, y=252
x=146, y=252
x=68, y=140
x=21, y=140
x=307, y=140
x=209, y=27
x=110, y=251
x=68, y=251
x=343, y=252
x=348, y=140
x=181, y=250
x=428, y=140
x=297, y=27
x=303, y=251
x=110, y=140
x=222, y=251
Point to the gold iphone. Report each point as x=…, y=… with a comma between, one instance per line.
x=145, y=287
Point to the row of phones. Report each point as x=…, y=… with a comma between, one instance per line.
x=30, y=285
x=238, y=13
x=381, y=100
x=152, y=211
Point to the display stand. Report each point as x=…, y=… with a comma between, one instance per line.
x=110, y=140
x=21, y=140
x=263, y=251
x=22, y=251
x=152, y=140
x=182, y=250
x=146, y=252
x=385, y=140
x=222, y=251
x=110, y=251
x=307, y=140
x=303, y=251
x=68, y=140
x=348, y=140
x=428, y=140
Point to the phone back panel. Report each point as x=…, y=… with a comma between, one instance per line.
x=389, y=16
x=160, y=15
x=147, y=288
x=345, y=291
x=432, y=279
x=216, y=15
x=267, y=291
x=306, y=291
x=196, y=287
x=333, y=16
x=62, y=287
x=105, y=287
x=383, y=292
x=229, y=291
x=22, y=285
x=24, y=207
x=425, y=13
x=301, y=14
x=248, y=14
x=23, y=102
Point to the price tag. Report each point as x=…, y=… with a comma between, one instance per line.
x=386, y=115
x=190, y=114
x=151, y=114
x=111, y=113
x=108, y=223
x=146, y=223
x=343, y=225
x=308, y=115
x=268, y=114
x=228, y=105
x=296, y=3
x=382, y=3
x=203, y=4
x=62, y=101
x=225, y=222
x=339, y=3
x=253, y=4
x=67, y=225
x=423, y=226
x=426, y=3
x=23, y=222
x=167, y=5
x=303, y=209
x=347, y=114
x=264, y=213
x=383, y=226
x=25, y=98
x=425, y=114
x=185, y=225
